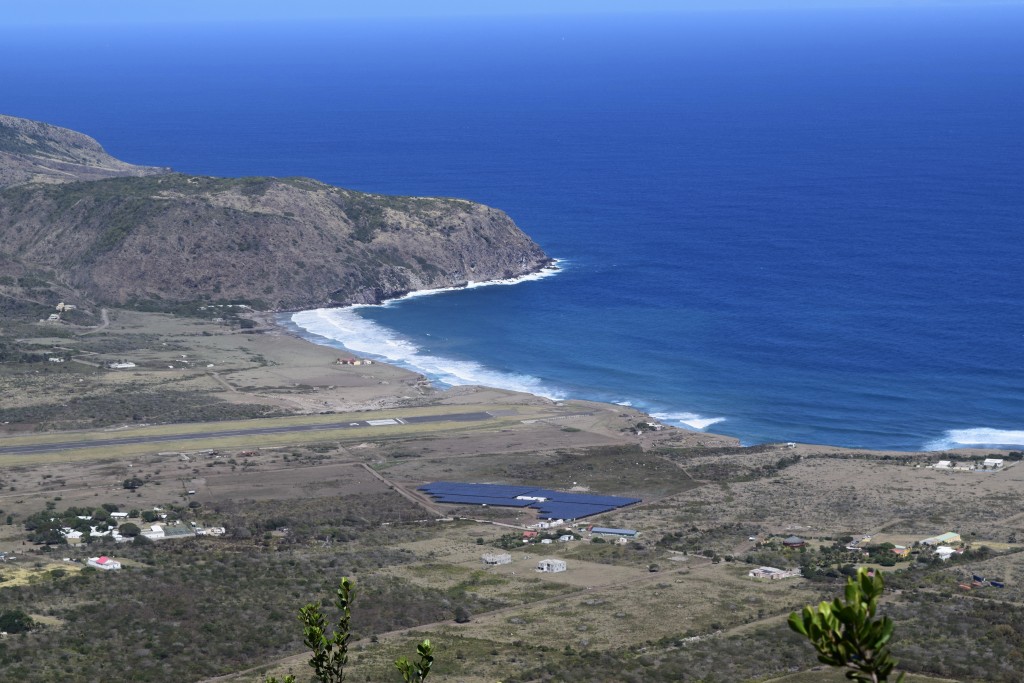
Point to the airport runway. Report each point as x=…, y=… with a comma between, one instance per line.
x=254, y=431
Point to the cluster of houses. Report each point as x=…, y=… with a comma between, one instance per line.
x=943, y=544
x=989, y=464
x=353, y=361
x=60, y=307
x=533, y=534
x=532, y=537
x=154, y=532
x=548, y=565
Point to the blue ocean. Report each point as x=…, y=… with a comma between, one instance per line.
x=778, y=225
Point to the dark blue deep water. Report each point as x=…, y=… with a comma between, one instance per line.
x=805, y=225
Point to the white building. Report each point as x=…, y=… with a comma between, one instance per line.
x=551, y=566
x=154, y=532
x=565, y=538
x=103, y=562
x=121, y=366
x=773, y=573
x=992, y=463
x=945, y=552
x=496, y=558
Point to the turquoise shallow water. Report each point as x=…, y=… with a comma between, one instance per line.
x=791, y=226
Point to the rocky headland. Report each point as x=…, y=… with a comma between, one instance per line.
x=117, y=234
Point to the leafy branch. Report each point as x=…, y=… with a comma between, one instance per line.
x=330, y=651
x=846, y=634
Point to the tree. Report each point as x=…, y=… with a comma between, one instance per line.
x=845, y=633
x=15, y=621
x=330, y=652
x=129, y=529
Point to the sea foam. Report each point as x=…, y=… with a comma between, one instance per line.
x=980, y=437
x=554, y=268
x=691, y=420
x=345, y=327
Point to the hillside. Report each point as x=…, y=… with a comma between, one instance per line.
x=36, y=152
x=165, y=238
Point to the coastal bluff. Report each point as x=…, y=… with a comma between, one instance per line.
x=125, y=235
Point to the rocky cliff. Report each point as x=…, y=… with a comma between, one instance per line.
x=151, y=236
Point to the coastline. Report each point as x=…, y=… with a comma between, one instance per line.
x=427, y=390
x=403, y=388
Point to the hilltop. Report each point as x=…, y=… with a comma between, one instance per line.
x=36, y=152
x=112, y=233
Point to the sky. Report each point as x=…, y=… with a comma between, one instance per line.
x=74, y=12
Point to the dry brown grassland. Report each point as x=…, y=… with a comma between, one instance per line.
x=678, y=597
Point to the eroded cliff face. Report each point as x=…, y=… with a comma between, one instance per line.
x=279, y=243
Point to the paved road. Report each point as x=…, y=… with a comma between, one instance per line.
x=252, y=431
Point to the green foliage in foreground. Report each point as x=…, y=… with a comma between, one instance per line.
x=330, y=652
x=846, y=634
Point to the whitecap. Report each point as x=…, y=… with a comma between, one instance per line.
x=691, y=420
x=346, y=328
x=554, y=268
x=977, y=437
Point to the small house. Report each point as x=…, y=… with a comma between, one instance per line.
x=794, y=542
x=492, y=559
x=565, y=538
x=992, y=463
x=901, y=550
x=551, y=566
x=944, y=552
x=103, y=562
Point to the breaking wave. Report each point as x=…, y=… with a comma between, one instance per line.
x=554, y=268
x=691, y=420
x=978, y=437
x=344, y=327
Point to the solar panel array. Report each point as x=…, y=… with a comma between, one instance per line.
x=557, y=504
